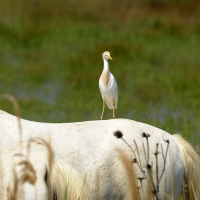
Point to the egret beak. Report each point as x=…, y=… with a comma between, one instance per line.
x=110, y=57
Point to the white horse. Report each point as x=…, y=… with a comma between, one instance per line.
x=89, y=161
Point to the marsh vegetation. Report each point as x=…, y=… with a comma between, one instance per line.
x=50, y=60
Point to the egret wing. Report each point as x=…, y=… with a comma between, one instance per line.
x=100, y=88
x=115, y=91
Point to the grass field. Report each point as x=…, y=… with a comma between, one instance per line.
x=51, y=61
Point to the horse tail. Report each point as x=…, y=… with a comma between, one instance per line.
x=191, y=163
x=67, y=183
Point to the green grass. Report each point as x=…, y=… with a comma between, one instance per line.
x=51, y=63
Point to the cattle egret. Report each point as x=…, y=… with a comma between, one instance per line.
x=108, y=86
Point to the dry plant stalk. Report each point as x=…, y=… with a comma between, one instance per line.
x=153, y=182
x=16, y=109
x=27, y=172
x=132, y=177
x=18, y=114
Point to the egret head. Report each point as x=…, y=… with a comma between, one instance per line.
x=106, y=55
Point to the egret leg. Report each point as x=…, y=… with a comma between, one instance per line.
x=103, y=110
x=113, y=109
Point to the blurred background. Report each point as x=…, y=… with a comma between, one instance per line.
x=50, y=60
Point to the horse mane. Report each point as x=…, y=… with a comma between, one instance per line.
x=191, y=162
x=67, y=183
x=63, y=181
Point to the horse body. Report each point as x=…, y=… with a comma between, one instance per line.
x=92, y=150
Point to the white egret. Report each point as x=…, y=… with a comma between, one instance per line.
x=108, y=86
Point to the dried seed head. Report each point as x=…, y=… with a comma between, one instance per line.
x=29, y=174
x=118, y=134
x=145, y=135
x=154, y=192
x=134, y=160
x=149, y=166
x=141, y=178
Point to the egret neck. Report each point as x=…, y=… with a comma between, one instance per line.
x=105, y=64
x=106, y=72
